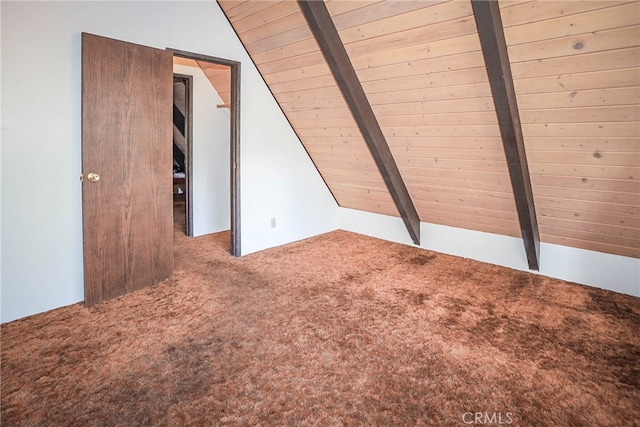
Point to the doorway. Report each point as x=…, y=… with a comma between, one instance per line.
x=224, y=78
x=182, y=152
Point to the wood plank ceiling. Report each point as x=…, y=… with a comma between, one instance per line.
x=576, y=71
x=219, y=76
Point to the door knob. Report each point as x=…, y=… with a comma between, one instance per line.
x=93, y=177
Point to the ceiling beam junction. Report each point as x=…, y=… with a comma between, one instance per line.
x=496, y=58
x=328, y=39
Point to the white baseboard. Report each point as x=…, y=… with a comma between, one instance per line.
x=613, y=272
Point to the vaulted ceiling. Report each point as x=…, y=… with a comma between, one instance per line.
x=576, y=73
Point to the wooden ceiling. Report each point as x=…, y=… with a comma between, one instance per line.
x=220, y=77
x=576, y=73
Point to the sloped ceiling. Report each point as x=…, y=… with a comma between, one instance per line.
x=220, y=77
x=576, y=73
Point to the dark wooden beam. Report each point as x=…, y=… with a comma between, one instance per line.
x=179, y=122
x=326, y=35
x=496, y=58
x=178, y=119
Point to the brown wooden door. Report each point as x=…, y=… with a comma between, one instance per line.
x=126, y=140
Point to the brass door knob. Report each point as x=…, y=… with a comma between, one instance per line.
x=93, y=177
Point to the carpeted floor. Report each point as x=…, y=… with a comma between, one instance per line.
x=340, y=329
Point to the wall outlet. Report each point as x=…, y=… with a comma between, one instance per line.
x=273, y=223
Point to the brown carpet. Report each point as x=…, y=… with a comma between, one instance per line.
x=340, y=329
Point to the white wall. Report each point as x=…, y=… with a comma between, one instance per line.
x=211, y=153
x=41, y=195
x=616, y=273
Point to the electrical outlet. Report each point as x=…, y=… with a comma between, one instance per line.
x=273, y=223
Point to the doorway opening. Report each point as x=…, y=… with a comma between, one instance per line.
x=224, y=78
x=182, y=152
